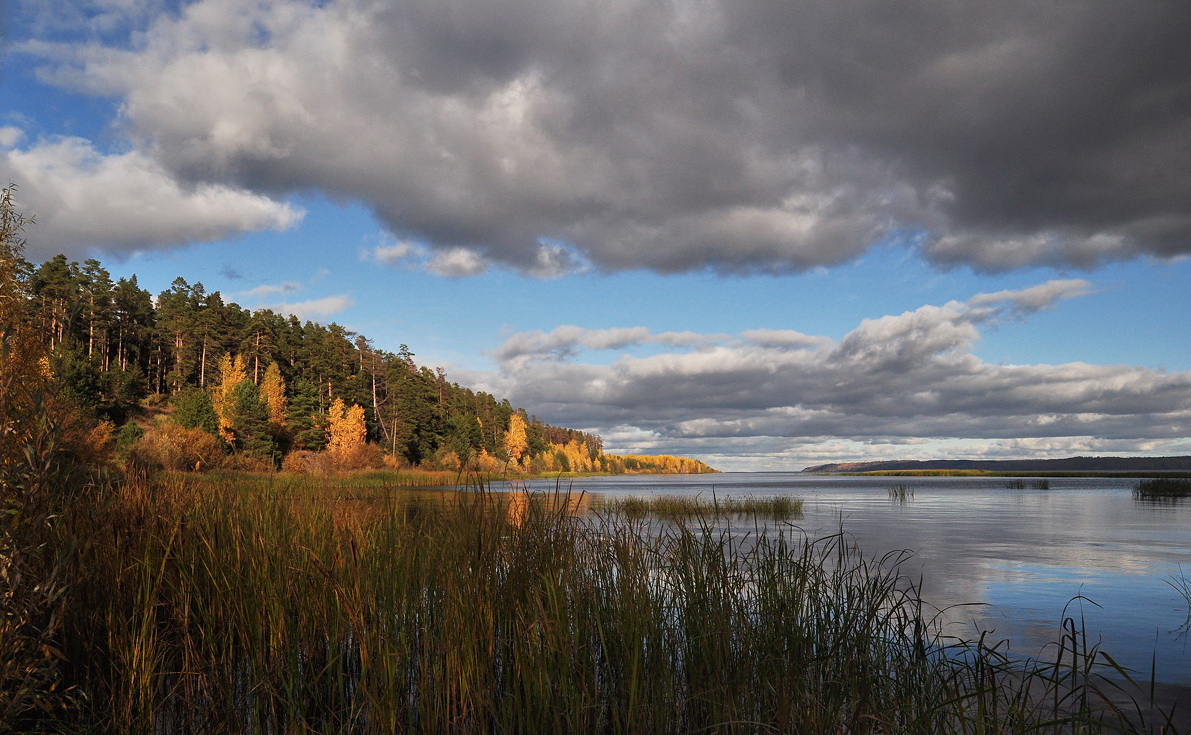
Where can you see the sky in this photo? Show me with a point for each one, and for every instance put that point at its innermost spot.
(764, 234)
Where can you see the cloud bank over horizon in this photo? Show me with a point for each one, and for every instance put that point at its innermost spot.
(887, 388)
(555, 136)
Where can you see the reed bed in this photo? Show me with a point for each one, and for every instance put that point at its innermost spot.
(211, 609)
(1163, 487)
(686, 509)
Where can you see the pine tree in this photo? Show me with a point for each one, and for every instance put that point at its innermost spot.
(193, 410)
(249, 423)
(307, 427)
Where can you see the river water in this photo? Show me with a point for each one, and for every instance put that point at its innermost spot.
(1016, 559)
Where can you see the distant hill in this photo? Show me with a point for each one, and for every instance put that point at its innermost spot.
(1070, 464)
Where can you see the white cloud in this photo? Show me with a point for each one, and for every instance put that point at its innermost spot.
(566, 341)
(84, 199)
(552, 261)
(315, 308)
(457, 263)
(10, 136)
(267, 290)
(395, 253)
(555, 261)
(882, 390)
(1035, 298)
(784, 338)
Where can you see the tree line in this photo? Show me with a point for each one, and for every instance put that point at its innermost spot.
(219, 380)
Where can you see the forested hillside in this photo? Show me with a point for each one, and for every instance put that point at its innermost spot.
(188, 379)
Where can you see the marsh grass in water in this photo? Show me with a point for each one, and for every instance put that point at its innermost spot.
(901, 493)
(214, 608)
(1163, 487)
(682, 509)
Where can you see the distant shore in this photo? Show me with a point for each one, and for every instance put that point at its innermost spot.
(1067, 467)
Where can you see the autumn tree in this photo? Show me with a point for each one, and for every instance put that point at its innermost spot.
(273, 391)
(232, 373)
(515, 441)
(347, 431)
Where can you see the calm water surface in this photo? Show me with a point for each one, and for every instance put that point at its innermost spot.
(1022, 555)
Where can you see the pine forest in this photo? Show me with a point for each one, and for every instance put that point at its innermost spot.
(184, 380)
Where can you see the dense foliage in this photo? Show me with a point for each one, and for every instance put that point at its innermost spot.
(115, 346)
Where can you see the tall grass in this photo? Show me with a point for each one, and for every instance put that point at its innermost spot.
(207, 609)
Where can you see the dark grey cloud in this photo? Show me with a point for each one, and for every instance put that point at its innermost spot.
(760, 136)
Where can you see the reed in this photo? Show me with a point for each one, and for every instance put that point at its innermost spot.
(901, 493)
(1163, 487)
(206, 607)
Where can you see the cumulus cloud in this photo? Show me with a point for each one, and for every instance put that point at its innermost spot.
(83, 199)
(741, 137)
(886, 386)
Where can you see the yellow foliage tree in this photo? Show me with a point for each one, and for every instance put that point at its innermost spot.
(273, 391)
(515, 441)
(572, 457)
(347, 432)
(231, 373)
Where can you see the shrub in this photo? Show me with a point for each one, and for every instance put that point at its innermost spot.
(304, 460)
(357, 457)
(166, 445)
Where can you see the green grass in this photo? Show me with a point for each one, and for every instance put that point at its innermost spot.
(207, 607)
(1163, 487)
(678, 508)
